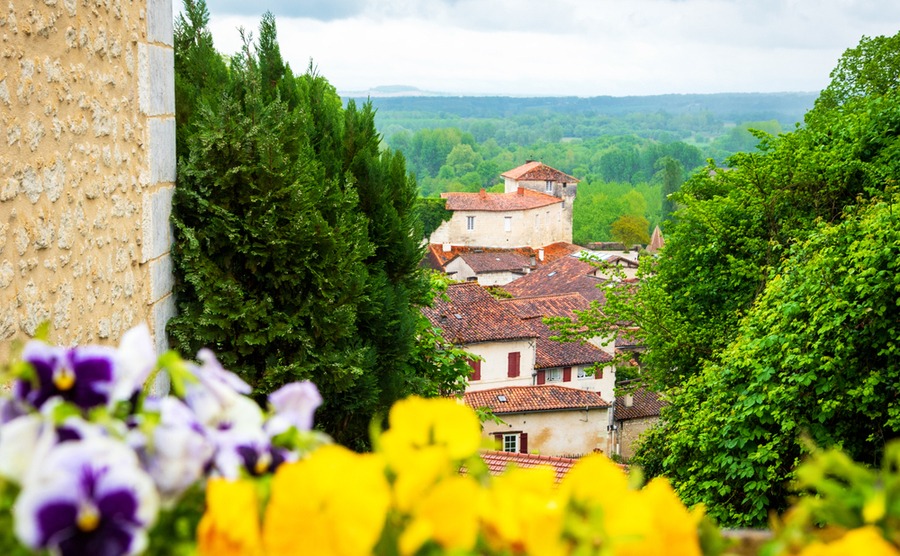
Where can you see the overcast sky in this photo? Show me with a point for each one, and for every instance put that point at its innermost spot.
(564, 47)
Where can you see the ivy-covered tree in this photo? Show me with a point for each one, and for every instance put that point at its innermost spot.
(771, 312)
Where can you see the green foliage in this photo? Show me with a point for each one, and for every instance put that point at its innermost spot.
(298, 242)
(631, 230)
(432, 213)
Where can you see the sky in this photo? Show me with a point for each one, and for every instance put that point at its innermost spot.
(563, 47)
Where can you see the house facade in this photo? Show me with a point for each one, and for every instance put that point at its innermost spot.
(549, 420)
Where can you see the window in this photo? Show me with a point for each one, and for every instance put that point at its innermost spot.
(549, 186)
(470, 223)
(554, 375)
(581, 373)
(507, 223)
(476, 369)
(510, 442)
(513, 365)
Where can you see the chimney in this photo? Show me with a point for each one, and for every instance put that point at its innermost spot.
(541, 254)
(446, 247)
(483, 193)
(520, 190)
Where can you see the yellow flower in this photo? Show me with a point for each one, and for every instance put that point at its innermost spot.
(524, 512)
(448, 514)
(420, 470)
(659, 524)
(416, 423)
(230, 525)
(865, 540)
(332, 503)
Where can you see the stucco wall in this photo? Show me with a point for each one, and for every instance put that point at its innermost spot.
(87, 168)
(495, 365)
(529, 228)
(605, 386)
(628, 433)
(558, 433)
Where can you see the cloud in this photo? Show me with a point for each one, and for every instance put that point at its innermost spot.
(323, 10)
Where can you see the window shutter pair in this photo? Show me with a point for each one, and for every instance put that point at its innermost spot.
(513, 367)
(567, 374)
(476, 369)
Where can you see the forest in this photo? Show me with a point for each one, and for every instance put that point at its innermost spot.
(629, 152)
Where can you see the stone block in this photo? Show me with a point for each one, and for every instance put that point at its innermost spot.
(162, 150)
(159, 21)
(163, 310)
(162, 278)
(156, 79)
(156, 229)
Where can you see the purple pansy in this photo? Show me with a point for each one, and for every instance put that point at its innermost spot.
(81, 375)
(294, 405)
(87, 497)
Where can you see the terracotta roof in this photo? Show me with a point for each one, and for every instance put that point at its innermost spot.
(497, 462)
(538, 171)
(523, 199)
(565, 275)
(550, 354)
(470, 314)
(436, 257)
(524, 399)
(558, 305)
(496, 261)
(645, 404)
(656, 241)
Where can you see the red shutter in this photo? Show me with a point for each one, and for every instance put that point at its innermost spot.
(541, 377)
(513, 369)
(523, 442)
(476, 369)
(567, 374)
(598, 374)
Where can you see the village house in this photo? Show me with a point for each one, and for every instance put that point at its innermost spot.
(634, 413)
(549, 420)
(491, 266)
(534, 210)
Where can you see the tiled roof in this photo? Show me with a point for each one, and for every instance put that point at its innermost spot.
(470, 314)
(557, 305)
(565, 275)
(436, 257)
(657, 241)
(523, 399)
(550, 354)
(523, 199)
(538, 171)
(497, 462)
(495, 262)
(645, 404)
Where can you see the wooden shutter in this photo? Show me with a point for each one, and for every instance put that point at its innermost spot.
(598, 374)
(541, 377)
(523, 442)
(476, 369)
(513, 368)
(567, 374)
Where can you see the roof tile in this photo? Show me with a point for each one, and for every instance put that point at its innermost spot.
(470, 314)
(645, 404)
(522, 399)
(564, 275)
(538, 171)
(497, 462)
(523, 199)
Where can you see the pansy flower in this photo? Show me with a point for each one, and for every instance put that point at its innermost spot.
(294, 405)
(87, 497)
(81, 375)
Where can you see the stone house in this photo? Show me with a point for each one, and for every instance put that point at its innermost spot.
(633, 414)
(490, 266)
(550, 420)
(535, 209)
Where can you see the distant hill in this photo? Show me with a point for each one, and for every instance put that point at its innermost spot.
(787, 108)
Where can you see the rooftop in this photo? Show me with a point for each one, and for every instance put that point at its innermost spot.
(534, 170)
(437, 256)
(644, 404)
(468, 314)
(497, 462)
(523, 199)
(523, 399)
(565, 275)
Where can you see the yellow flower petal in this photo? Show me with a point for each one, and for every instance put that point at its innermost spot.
(230, 525)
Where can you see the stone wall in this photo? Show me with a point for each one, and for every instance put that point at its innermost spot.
(630, 431)
(87, 168)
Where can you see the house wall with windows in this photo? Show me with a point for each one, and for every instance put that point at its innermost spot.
(87, 170)
(583, 378)
(555, 433)
(495, 366)
(534, 228)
